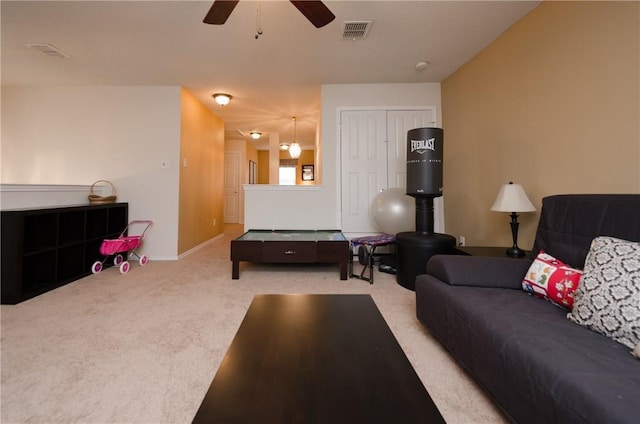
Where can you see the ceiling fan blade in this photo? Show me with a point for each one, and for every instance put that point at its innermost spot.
(220, 11)
(317, 13)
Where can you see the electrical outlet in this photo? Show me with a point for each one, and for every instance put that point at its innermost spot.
(462, 241)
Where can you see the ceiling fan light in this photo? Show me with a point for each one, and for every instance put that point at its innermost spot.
(222, 99)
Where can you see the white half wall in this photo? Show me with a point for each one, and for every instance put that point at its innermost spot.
(78, 135)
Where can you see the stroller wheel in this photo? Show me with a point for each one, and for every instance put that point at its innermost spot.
(143, 260)
(124, 267)
(96, 267)
(117, 260)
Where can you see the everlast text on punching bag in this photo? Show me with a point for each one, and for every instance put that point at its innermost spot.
(424, 162)
(424, 182)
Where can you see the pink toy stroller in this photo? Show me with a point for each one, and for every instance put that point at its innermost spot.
(123, 244)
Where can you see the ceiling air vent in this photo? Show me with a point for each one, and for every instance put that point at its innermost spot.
(49, 50)
(355, 30)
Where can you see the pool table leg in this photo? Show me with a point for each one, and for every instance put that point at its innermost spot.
(235, 270)
(343, 269)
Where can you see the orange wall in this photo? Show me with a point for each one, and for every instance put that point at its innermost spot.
(201, 181)
(263, 167)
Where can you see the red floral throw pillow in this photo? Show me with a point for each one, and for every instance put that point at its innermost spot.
(551, 279)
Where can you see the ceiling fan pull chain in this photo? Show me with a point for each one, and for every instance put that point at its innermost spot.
(259, 21)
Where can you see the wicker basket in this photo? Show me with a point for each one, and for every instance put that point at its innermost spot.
(96, 199)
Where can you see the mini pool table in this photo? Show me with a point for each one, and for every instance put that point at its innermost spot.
(290, 246)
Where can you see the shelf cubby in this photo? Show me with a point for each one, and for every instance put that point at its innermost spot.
(71, 227)
(40, 232)
(97, 221)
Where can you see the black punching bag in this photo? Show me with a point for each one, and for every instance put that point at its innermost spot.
(424, 182)
(424, 162)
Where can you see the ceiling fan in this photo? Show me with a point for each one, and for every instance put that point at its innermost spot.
(315, 11)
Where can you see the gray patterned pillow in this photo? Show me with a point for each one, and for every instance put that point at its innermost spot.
(608, 298)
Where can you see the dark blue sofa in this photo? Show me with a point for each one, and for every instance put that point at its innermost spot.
(537, 365)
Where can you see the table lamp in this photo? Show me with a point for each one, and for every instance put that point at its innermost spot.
(512, 198)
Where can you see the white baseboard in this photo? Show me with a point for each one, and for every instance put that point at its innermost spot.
(200, 246)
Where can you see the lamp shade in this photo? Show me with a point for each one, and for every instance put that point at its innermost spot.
(512, 198)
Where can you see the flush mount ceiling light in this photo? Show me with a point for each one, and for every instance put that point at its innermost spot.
(255, 135)
(284, 146)
(295, 149)
(222, 99)
(421, 66)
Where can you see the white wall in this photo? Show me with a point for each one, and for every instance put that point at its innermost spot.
(320, 205)
(77, 135)
(276, 207)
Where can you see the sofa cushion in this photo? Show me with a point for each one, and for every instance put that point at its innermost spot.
(550, 278)
(608, 299)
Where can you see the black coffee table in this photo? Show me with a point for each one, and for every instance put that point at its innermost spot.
(316, 359)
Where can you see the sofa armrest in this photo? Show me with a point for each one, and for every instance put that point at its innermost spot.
(479, 271)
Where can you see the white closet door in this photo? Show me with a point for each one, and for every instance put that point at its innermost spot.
(363, 155)
(373, 158)
(398, 123)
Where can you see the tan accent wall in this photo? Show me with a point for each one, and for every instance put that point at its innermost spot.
(201, 181)
(553, 104)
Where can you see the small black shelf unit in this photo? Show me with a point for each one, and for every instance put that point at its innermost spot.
(45, 248)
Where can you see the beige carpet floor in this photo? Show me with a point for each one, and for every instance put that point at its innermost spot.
(144, 347)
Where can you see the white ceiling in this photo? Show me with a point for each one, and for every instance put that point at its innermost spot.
(271, 78)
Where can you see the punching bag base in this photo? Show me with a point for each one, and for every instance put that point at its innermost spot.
(414, 249)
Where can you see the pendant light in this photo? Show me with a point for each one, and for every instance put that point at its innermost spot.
(294, 148)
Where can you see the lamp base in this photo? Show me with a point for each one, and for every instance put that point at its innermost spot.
(516, 252)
